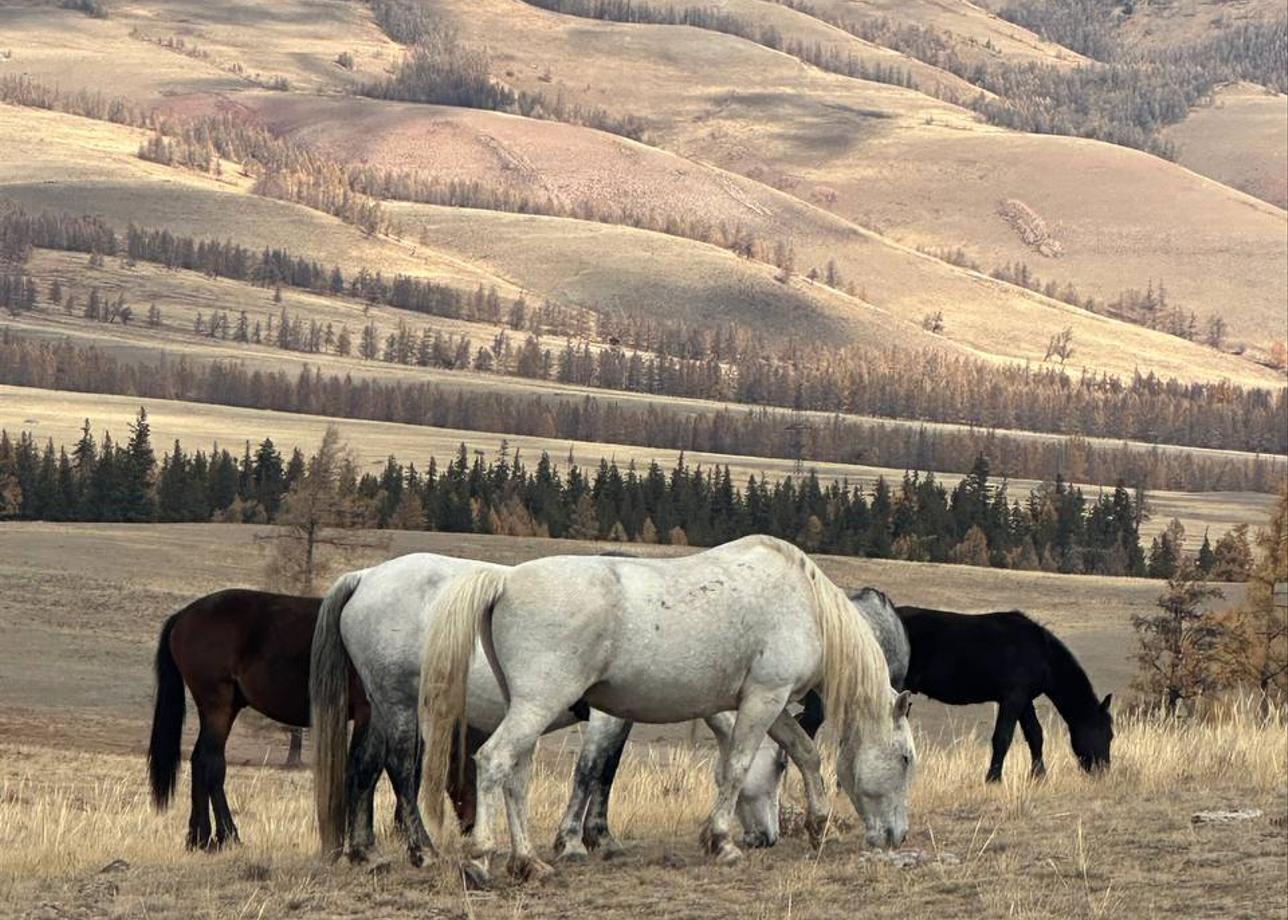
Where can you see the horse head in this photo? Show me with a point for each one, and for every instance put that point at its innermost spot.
(876, 774)
(1092, 735)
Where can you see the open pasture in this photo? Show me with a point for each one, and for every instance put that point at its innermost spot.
(73, 800)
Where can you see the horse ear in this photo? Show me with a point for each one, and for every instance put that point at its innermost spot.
(902, 705)
(1104, 704)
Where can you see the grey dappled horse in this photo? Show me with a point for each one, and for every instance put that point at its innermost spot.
(748, 626)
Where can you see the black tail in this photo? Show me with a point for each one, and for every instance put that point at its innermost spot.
(167, 722)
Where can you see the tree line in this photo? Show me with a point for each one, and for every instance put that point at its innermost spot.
(714, 19)
(1055, 528)
(749, 432)
(724, 362)
(439, 69)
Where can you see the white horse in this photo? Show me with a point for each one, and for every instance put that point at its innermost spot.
(748, 626)
(377, 619)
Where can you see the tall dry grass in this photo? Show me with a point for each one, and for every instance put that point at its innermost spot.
(65, 812)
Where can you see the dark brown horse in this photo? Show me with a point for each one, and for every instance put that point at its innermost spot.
(233, 649)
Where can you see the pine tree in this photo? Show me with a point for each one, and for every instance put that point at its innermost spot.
(138, 504)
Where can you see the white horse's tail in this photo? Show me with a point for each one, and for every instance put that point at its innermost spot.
(329, 701)
(462, 612)
(856, 678)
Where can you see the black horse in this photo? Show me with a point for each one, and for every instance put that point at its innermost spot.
(1006, 658)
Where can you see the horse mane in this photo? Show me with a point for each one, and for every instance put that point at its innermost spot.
(1073, 688)
(856, 678)
(864, 592)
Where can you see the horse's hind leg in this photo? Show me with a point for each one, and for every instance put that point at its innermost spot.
(199, 817)
(503, 765)
(225, 827)
(1008, 711)
(592, 778)
(217, 712)
(596, 834)
(1032, 728)
(403, 756)
(366, 755)
(756, 713)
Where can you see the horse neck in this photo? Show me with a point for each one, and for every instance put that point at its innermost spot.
(1070, 690)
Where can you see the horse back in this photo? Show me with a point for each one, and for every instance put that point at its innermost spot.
(961, 658)
(256, 641)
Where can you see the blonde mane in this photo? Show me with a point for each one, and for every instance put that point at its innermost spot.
(856, 677)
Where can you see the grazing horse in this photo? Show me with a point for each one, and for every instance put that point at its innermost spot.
(233, 649)
(1008, 659)
(748, 626)
(375, 621)
(758, 802)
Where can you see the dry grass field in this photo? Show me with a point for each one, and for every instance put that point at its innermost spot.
(59, 415)
(1240, 139)
(78, 837)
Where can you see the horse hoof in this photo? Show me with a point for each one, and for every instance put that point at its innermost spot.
(474, 876)
(357, 857)
(728, 853)
(758, 841)
(816, 828)
(571, 855)
(529, 869)
(416, 858)
(611, 848)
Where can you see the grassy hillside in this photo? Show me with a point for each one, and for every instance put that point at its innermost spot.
(1240, 139)
(923, 173)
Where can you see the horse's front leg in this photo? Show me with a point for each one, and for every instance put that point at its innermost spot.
(1008, 711)
(1032, 728)
(757, 807)
(756, 713)
(800, 747)
(591, 783)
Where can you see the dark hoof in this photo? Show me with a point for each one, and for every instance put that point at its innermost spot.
(993, 778)
(474, 876)
(357, 856)
(758, 841)
(416, 857)
(383, 867)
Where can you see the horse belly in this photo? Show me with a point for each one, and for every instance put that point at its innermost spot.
(662, 684)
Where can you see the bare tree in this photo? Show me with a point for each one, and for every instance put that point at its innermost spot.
(317, 529)
(1060, 346)
(320, 521)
